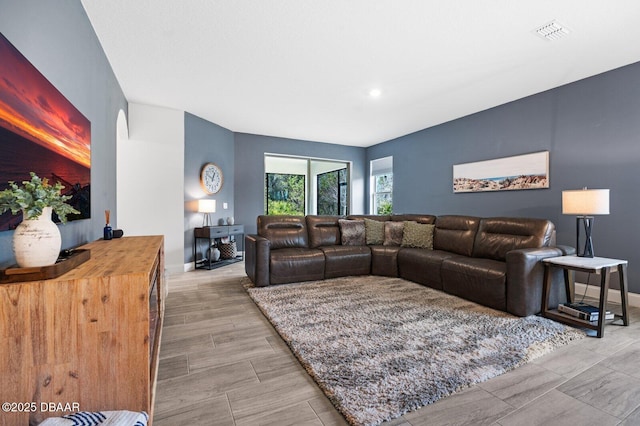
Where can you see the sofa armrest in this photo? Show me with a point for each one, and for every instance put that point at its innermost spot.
(256, 259)
(525, 278)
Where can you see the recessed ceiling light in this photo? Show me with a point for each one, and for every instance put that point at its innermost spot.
(375, 93)
(552, 31)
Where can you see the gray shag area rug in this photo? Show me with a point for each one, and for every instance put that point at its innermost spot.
(380, 347)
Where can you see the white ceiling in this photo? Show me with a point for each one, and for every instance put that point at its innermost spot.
(303, 69)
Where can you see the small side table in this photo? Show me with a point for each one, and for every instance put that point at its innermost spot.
(211, 234)
(598, 265)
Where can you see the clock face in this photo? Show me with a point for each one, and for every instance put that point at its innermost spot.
(211, 178)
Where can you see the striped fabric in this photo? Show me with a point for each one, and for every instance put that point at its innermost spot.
(99, 418)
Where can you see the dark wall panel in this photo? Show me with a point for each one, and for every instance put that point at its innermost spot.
(591, 129)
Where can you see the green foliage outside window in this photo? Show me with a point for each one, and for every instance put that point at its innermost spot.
(332, 193)
(384, 194)
(385, 207)
(285, 194)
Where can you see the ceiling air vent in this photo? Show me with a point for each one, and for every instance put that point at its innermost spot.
(552, 31)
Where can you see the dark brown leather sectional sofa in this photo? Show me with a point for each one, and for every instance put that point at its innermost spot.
(491, 261)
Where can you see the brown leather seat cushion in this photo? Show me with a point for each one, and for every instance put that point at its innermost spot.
(422, 266)
(343, 261)
(479, 280)
(296, 264)
(384, 260)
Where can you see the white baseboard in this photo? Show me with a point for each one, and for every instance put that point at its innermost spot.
(614, 295)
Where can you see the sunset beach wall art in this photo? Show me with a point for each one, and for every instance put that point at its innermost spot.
(528, 171)
(41, 132)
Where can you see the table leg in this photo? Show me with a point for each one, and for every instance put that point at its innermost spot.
(605, 274)
(546, 288)
(569, 284)
(624, 292)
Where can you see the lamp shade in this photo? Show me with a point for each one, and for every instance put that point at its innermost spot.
(583, 202)
(206, 206)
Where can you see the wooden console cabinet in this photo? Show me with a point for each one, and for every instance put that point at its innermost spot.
(89, 338)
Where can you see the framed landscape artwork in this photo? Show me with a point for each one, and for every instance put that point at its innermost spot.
(528, 171)
(41, 132)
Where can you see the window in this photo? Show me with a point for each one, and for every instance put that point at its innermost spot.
(382, 185)
(332, 192)
(299, 186)
(285, 194)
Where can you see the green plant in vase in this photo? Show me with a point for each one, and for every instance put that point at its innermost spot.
(36, 241)
(34, 196)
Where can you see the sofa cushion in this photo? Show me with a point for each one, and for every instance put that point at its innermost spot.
(374, 231)
(479, 280)
(323, 231)
(352, 232)
(420, 218)
(422, 266)
(284, 231)
(290, 265)
(498, 235)
(455, 234)
(342, 261)
(378, 217)
(393, 233)
(384, 260)
(418, 235)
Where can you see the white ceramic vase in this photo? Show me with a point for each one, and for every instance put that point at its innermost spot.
(37, 242)
(230, 220)
(214, 254)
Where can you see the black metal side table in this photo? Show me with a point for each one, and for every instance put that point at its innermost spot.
(214, 234)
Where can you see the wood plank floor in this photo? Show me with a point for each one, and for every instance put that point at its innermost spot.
(222, 363)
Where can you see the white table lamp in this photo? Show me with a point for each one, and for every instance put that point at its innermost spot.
(585, 203)
(207, 207)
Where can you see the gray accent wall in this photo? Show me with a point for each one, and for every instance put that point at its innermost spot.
(206, 142)
(58, 39)
(591, 129)
(250, 150)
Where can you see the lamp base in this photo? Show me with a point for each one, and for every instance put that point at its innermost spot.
(206, 220)
(587, 224)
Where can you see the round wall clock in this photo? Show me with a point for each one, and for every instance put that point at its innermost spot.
(211, 178)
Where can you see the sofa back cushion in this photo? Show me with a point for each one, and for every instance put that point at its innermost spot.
(380, 217)
(455, 234)
(420, 218)
(323, 231)
(499, 235)
(284, 231)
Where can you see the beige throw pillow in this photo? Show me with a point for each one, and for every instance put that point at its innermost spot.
(418, 235)
(374, 231)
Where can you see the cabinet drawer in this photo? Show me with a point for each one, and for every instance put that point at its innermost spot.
(212, 232)
(236, 229)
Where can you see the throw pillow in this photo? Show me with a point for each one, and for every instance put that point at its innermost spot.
(418, 235)
(393, 233)
(374, 231)
(352, 232)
